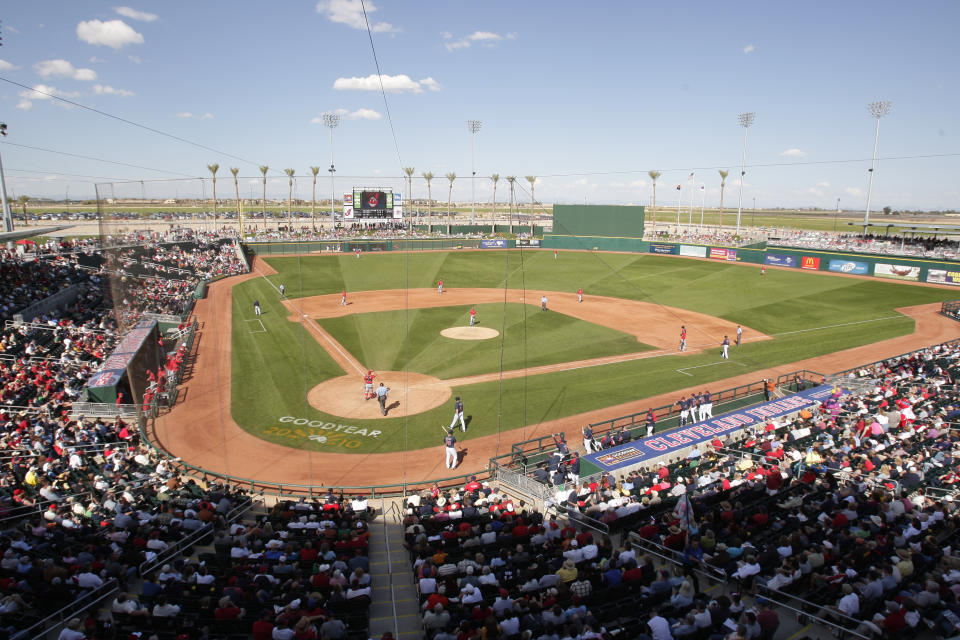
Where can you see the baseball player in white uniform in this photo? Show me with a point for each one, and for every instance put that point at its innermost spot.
(450, 445)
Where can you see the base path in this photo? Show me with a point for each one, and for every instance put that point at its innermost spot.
(650, 323)
(201, 430)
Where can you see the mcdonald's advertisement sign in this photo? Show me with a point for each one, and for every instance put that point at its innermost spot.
(810, 262)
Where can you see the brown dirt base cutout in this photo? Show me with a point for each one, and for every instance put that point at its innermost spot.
(410, 393)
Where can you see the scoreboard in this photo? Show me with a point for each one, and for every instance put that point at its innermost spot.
(372, 204)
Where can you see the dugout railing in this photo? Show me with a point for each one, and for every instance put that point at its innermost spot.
(531, 452)
(951, 309)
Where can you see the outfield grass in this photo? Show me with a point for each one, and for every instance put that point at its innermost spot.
(389, 340)
(808, 314)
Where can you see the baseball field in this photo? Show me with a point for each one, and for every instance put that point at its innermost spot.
(296, 370)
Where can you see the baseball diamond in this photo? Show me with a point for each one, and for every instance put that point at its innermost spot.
(613, 354)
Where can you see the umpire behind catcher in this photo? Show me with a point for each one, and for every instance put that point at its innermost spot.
(382, 392)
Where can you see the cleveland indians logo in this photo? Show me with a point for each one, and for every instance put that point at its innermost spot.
(373, 201)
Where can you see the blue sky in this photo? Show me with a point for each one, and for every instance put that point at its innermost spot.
(588, 97)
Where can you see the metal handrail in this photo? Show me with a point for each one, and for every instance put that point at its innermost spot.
(830, 623)
(40, 629)
(175, 549)
(669, 555)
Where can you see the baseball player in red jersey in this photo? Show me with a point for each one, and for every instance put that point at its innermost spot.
(368, 385)
(763, 270)
(473, 316)
(343, 298)
(683, 338)
(439, 286)
(580, 294)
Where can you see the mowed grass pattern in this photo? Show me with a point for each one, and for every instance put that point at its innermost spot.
(391, 340)
(807, 313)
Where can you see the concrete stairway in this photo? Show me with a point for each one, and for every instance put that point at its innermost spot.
(394, 604)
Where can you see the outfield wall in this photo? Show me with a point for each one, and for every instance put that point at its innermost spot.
(372, 245)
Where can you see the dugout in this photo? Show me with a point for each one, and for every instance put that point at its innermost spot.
(125, 369)
(596, 227)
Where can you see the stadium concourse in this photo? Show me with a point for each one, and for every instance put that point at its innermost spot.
(105, 537)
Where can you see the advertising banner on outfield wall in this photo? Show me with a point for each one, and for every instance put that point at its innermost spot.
(496, 243)
(666, 249)
(718, 253)
(528, 242)
(896, 271)
(939, 276)
(809, 262)
(693, 251)
(778, 260)
(849, 266)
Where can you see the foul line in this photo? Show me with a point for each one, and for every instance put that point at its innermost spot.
(842, 324)
(263, 329)
(312, 325)
(685, 369)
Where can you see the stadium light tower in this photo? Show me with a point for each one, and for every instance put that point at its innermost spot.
(331, 120)
(7, 216)
(745, 119)
(473, 126)
(877, 110)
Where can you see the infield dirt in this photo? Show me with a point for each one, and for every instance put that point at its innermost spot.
(201, 430)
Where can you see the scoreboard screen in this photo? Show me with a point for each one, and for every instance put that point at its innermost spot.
(372, 204)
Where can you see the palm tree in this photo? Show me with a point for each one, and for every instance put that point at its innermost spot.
(313, 199)
(451, 177)
(428, 176)
(495, 177)
(289, 173)
(723, 183)
(409, 171)
(653, 208)
(213, 169)
(236, 188)
(263, 203)
(22, 201)
(531, 180)
(511, 180)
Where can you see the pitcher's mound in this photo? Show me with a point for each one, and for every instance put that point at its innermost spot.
(470, 333)
(410, 393)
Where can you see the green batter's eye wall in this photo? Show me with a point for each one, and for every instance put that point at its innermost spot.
(598, 221)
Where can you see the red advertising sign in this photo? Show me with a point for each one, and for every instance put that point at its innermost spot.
(810, 262)
(718, 254)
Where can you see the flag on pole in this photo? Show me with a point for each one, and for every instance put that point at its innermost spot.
(690, 177)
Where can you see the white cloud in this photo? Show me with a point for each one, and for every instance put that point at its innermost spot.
(816, 192)
(359, 114)
(41, 92)
(115, 34)
(105, 89)
(11, 29)
(350, 13)
(134, 59)
(364, 114)
(853, 192)
(823, 185)
(63, 68)
(393, 84)
(749, 48)
(133, 14)
(483, 38)
(186, 115)
(793, 153)
(96, 60)
(6, 66)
